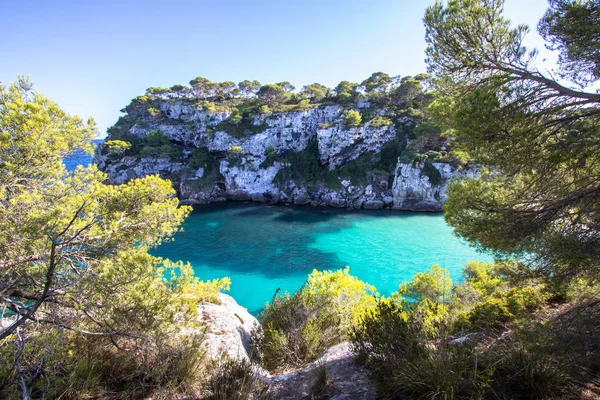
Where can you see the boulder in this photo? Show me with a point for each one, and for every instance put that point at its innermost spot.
(228, 328)
(346, 379)
(302, 197)
(373, 205)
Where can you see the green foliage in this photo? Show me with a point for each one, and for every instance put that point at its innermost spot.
(116, 146)
(235, 117)
(272, 94)
(405, 95)
(573, 28)
(97, 312)
(303, 165)
(352, 118)
(298, 328)
(434, 175)
(345, 92)
(249, 88)
(264, 109)
(315, 92)
(235, 149)
(165, 150)
(538, 135)
(380, 121)
(434, 285)
(241, 127)
(409, 359)
(153, 111)
(201, 158)
(236, 380)
(393, 345)
(377, 82)
(157, 138)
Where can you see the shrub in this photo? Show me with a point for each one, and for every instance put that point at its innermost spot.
(201, 158)
(525, 373)
(157, 138)
(484, 278)
(153, 111)
(393, 345)
(116, 146)
(490, 312)
(429, 296)
(264, 109)
(380, 121)
(236, 380)
(352, 118)
(235, 116)
(324, 125)
(434, 175)
(165, 150)
(235, 149)
(297, 329)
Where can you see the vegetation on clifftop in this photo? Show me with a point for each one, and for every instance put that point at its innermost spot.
(379, 101)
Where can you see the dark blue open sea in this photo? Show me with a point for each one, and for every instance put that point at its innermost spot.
(79, 157)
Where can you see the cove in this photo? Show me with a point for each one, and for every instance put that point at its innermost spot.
(264, 248)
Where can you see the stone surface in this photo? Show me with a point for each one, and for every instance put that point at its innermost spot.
(247, 177)
(228, 328)
(346, 379)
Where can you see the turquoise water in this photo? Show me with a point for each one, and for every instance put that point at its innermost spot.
(263, 248)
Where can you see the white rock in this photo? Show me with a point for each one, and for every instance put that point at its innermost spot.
(229, 327)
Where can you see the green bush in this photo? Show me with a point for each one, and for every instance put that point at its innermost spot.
(236, 380)
(165, 150)
(393, 345)
(264, 109)
(116, 146)
(434, 175)
(352, 118)
(235, 116)
(156, 139)
(380, 121)
(153, 111)
(201, 158)
(297, 329)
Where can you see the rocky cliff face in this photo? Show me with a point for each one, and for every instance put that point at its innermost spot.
(300, 157)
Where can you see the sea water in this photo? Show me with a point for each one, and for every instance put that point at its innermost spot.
(264, 248)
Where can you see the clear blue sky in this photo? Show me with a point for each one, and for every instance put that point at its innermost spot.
(92, 57)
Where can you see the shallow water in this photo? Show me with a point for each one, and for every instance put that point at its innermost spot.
(264, 248)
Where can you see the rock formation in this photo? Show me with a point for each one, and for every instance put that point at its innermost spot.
(299, 157)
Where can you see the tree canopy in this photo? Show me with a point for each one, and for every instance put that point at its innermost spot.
(73, 253)
(539, 136)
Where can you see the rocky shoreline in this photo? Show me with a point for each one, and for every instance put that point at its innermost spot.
(306, 157)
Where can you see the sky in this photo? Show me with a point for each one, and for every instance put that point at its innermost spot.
(93, 57)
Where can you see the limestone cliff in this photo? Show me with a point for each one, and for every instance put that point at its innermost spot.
(307, 155)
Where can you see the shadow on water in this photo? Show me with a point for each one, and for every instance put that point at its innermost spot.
(248, 238)
(262, 248)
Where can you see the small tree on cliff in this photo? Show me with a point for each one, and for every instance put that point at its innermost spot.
(352, 118)
(272, 94)
(541, 136)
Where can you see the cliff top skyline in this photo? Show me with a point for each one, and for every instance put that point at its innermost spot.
(121, 48)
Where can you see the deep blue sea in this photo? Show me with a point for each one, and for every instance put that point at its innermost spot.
(264, 248)
(79, 157)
